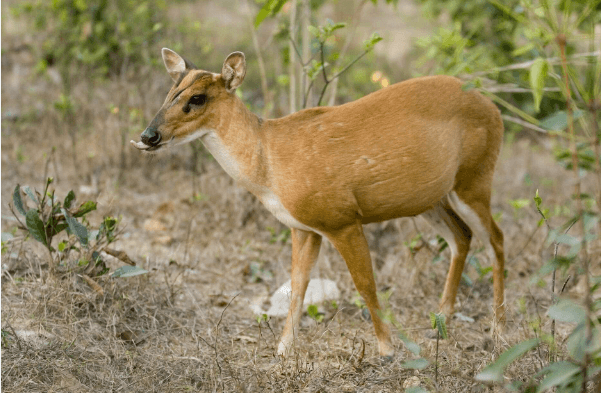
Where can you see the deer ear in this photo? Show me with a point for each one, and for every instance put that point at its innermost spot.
(175, 64)
(233, 71)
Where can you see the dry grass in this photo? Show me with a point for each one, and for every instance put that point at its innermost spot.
(187, 325)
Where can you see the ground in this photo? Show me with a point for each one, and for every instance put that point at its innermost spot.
(211, 250)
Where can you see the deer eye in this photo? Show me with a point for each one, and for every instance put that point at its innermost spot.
(198, 100)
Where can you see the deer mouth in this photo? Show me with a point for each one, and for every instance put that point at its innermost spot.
(144, 147)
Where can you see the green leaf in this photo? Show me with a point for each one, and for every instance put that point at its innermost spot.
(441, 325)
(523, 49)
(128, 271)
(314, 31)
(415, 364)
(263, 13)
(467, 86)
(59, 228)
(558, 121)
(270, 8)
(17, 201)
(85, 208)
(30, 194)
(313, 312)
(519, 203)
(337, 26)
(538, 75)
(538, 200)
(576, 343)
(557, 374)
(371, 41)
(69, 199)
(36, 226)
(467, 280)
(433, 320)
(590, 221)
(77, 228)
(494, 372)
(570, 240)
(517, 16)
(61, 246)
(566, 310)
(411, 345)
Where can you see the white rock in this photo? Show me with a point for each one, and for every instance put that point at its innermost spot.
(318, 291)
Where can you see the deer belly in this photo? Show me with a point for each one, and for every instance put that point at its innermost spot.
(274, 205)
(385, 200)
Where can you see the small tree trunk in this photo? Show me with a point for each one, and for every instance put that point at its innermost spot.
(262, 73)
(306, 21)
(292, 67)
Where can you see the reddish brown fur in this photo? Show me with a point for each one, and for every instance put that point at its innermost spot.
(397, 152)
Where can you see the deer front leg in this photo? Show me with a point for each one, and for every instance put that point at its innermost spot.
(352, 245)
(305, 249)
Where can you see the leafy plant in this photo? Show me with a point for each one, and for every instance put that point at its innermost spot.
(314, 67)
(547, 72)
(438, 322)
(313, 312)
(51, 216)
(102, 36)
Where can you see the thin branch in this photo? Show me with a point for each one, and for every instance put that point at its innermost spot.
(306, 95)
(323, 70)
(350, 64)
(510, 88)
(323, 63)
(217, 332)
(300, 57)
(528, 64)
(524, 123)
(525, 245)
(338, 74)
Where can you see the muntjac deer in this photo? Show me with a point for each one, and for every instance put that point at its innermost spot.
(422, 146)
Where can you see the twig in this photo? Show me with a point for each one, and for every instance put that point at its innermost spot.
(556, 245)
(16, 336)
(564, 284)
(338, 74)
(306, 95)
(540, 321)
(524, 123)
(525, 245)
(436, 361)
(121, 255)
(528, 64)
(217, 332)
(300, 57)
(93, 284)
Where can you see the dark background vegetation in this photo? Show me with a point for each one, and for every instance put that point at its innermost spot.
(80, 78)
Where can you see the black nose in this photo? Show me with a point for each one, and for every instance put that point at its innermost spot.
(151, 137)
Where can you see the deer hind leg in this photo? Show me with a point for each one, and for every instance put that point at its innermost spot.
(473, 206)
(458, 236)
(352, 245)
(305, 249)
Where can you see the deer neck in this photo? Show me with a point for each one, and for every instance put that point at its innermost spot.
(238, 146)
